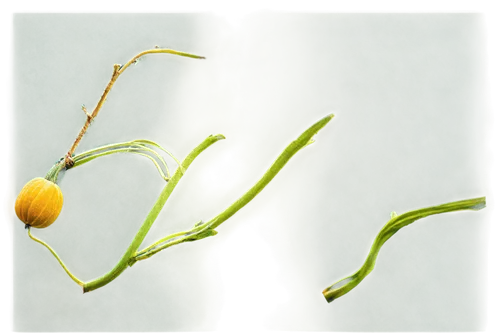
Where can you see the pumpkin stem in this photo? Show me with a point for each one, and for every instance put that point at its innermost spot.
(54, 171)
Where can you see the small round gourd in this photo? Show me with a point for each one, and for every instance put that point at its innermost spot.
(39, 203)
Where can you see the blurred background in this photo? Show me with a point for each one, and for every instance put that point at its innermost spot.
(407, 92)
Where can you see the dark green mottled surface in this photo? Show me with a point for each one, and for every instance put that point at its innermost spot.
(408, 91)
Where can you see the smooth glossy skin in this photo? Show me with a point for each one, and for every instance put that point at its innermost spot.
(39, 203)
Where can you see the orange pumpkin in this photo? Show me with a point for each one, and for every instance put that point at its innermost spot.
(39, 203)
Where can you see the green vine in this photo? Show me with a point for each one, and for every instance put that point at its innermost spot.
(200, 230)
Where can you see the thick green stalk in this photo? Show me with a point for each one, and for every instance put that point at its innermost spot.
(345, 285)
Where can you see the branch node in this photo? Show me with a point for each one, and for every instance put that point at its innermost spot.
(89, 116)
(68, 161)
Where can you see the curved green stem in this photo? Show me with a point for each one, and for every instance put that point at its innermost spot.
(135, 150)
(345, 285)
(139, 147)
(207, 229)
(95, 151)
(152, 143)
(135, 146)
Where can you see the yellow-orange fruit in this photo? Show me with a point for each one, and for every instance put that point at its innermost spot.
(39, 203)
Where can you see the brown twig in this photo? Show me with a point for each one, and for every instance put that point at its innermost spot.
(117, 70)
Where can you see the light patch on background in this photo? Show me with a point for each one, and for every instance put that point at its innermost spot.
(251, 89)
(2, 197)
(8, 199)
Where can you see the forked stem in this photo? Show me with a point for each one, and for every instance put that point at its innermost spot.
(206, 229)
(141, 234)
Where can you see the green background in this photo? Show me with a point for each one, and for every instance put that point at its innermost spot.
(411, 130)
